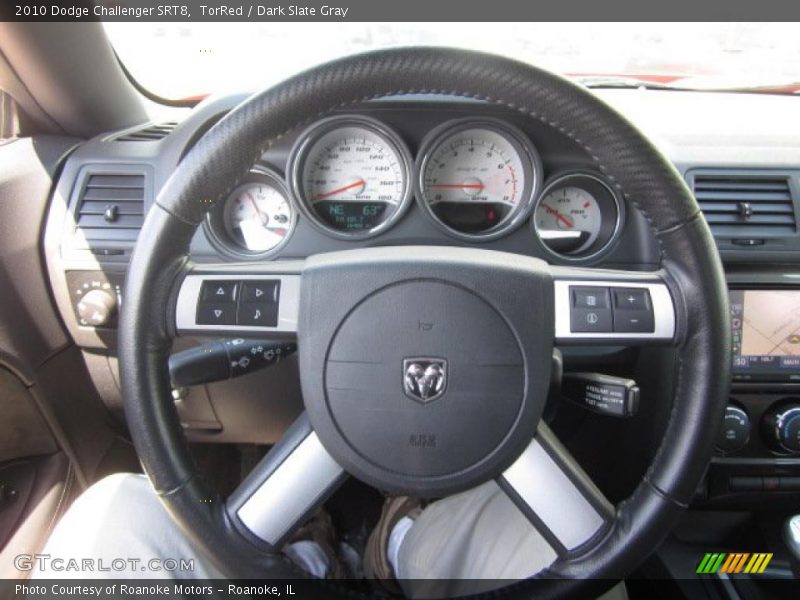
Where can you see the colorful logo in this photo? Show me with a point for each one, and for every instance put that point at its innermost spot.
(735, 562)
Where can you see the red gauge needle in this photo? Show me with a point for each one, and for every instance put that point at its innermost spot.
(461, 186)
(349, 186)
(561, 217)
(261, 215)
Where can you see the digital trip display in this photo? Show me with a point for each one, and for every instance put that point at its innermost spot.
(766, 333)
(351, 216)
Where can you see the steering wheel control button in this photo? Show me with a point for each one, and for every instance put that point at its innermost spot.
(735, 431)
(631, 299)
(586, 320)
(603, 394)
(585, 297)
(218, 292)
(258, 306)
(261, 303)
(590, 310)
(625, 310)
(258, 314)
(630, 322)
(212, 313)
(633, 311)
(261, 291)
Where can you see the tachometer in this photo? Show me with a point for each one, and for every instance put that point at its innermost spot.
(477, 178)
(351, 176)
(256, 219)
(578, 215)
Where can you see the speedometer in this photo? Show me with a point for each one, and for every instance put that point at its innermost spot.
(351, 176)
(477, 179)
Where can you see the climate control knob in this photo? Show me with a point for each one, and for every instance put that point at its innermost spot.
(735, 430)
(97, 307)
(782, 426)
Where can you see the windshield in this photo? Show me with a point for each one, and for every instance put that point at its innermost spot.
(182, 60)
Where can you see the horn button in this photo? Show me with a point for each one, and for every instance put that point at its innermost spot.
(432, 382)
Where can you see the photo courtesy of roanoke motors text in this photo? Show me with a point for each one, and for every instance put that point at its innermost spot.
(374, 299)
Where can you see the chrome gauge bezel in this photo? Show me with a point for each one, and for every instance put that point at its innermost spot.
(214, 225)
(532, 166)
(611, 203)
(305, 144)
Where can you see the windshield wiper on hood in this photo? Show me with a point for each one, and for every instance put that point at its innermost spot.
(690, 84)
(623, 82)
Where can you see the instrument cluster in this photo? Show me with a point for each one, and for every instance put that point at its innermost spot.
(476, 179)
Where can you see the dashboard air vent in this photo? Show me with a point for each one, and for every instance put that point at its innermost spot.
(151, 133)
(111, 207)
(746, 204)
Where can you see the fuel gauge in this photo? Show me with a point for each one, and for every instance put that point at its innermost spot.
(578, 215)
(570, 217)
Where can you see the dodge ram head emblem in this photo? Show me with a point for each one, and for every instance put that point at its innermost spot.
(424, 379)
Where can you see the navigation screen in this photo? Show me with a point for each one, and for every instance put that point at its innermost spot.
(766, 330)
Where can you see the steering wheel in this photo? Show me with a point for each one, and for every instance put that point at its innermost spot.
(491, 323)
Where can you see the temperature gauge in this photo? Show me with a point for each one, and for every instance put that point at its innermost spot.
(256, 219)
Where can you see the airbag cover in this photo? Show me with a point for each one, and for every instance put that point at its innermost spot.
(478, 364)
(425, 370)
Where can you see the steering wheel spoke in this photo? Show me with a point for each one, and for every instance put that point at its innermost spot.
(285, 488)
(602, 307)
(399, 348)
(239, 301)
(556, 495)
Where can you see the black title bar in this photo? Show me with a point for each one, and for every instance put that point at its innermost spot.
(398, 10)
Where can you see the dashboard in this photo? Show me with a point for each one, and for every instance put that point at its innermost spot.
(424, 170)
(353, 177)
(391, 172)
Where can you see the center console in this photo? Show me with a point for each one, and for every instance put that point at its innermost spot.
(758, 448)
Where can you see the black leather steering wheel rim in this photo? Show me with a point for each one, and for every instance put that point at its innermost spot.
(223, 156)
